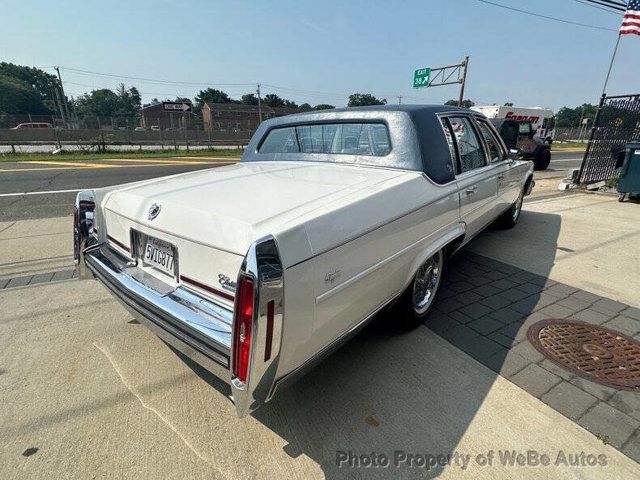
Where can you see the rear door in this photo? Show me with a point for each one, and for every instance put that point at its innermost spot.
(507, 180)
(477, 187)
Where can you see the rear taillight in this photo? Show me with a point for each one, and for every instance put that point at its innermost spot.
(83, 216)
(243, 322)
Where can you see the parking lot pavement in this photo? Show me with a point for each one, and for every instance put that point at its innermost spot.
(87, 392)
(98, 395)
(486, 308)
(586, 240)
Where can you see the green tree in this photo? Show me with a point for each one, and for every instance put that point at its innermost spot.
(465, 103)
(571, 117)
(100, 103)
(324, 106)
(124, 102)
(17, 97)
(273, 100)
(210, 95)
(305, 107)
(129, 101)
(363, 99)
(508, 104)
(249, 99)
(42, 83)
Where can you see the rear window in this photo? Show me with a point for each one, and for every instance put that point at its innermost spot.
(525, 128)
(337, 138)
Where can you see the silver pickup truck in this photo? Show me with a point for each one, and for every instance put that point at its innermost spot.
(260, 269)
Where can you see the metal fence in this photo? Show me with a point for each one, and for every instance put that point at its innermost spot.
(77, 122)
(617, 122)
(571, 134)
(93, 140)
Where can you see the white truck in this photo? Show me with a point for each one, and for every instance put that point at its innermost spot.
(540, 118)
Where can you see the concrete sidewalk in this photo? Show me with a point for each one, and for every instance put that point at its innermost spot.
(99, 396)
(34, 247)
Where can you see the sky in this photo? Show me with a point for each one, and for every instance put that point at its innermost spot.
(322, 51)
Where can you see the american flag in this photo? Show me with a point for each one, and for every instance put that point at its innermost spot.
(631, 21)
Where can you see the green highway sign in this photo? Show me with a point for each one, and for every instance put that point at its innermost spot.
(421, 77)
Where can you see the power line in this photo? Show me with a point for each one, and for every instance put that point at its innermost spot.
(533, 14)
(102, 86)
(150, 80)
(333, 95)
(196, 84)
(612, 10)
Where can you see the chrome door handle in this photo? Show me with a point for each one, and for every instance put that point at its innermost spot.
(500, 177)
(472, 190)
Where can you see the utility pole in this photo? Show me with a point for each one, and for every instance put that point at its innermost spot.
(465, 64)
(56, 92)
(259, 104)
(399, 99)
(64, 98)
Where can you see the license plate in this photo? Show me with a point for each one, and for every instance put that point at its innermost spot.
(159, 255)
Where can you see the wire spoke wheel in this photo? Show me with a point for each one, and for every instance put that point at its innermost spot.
(426, 282)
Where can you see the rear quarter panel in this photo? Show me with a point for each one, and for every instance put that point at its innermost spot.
(377, 245)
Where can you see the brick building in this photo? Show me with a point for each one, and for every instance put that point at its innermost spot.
(156, 116)
(231, 117)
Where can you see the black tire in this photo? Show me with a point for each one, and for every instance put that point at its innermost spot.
(413, 306)
(543, 159)
(510, 218)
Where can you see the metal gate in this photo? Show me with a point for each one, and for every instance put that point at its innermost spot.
(617, 122)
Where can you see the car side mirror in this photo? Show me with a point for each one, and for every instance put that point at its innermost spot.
(515, 154)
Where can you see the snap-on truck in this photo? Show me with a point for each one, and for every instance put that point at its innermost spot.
(540, 118)
(533, 131)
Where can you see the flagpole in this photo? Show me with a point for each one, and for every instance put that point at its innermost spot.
(613, 57)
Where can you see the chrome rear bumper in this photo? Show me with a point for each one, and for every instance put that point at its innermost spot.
(193, 325)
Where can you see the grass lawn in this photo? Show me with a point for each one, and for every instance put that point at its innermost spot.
(25, 157)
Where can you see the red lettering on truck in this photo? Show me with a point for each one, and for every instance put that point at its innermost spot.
(522, 118)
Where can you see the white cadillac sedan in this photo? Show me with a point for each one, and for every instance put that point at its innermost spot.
(258, 270)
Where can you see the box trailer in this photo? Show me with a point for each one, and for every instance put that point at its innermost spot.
(540, 118)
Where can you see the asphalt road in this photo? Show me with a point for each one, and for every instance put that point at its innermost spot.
(20, 182)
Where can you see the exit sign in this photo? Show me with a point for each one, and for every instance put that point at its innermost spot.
(421, 77)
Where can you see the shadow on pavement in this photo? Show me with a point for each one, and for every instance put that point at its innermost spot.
(385, 391)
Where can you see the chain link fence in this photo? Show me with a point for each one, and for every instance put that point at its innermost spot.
(90, 140)
(571, 134)
(46, 133)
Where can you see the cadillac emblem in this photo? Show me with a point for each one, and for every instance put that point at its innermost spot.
(154, 211)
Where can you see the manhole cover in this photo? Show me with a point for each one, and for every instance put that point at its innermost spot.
(595, 353)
